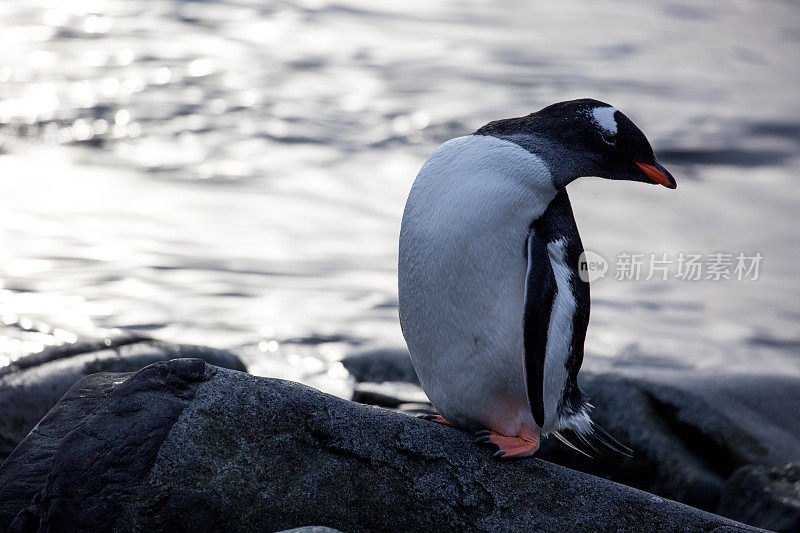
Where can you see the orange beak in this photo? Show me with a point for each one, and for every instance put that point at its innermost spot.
(656, 175)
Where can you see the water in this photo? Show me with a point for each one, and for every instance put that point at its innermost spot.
(233, 174)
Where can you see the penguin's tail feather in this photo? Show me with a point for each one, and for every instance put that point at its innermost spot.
(563, 438)
(605, 442)
(593, 443)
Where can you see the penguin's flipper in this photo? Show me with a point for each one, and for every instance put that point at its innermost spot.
(540, 292)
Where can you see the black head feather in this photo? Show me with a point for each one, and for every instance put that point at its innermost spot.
(574, 143)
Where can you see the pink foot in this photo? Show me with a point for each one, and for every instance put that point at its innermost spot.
(510, 447)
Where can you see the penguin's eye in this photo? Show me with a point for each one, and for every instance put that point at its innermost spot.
(608, 138)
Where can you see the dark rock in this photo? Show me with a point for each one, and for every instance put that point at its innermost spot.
(32, 385)
(388, 394)
(311, 529)
(689, 433)
(20, 480)
(182, 445)
(51, 353)
(765, 497)
(416, 409)
(381, 365)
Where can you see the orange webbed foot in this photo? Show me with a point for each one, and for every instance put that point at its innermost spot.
(509, 447)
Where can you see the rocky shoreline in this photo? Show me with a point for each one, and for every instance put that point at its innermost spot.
(185, 444)
(31, 385)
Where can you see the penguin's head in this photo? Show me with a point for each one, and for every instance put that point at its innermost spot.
(585, 137)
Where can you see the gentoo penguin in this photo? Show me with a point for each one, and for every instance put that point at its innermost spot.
(491, 303)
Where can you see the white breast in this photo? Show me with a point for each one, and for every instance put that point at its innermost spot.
(462, 276)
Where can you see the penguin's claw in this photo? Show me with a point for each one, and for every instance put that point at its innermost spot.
(439, 419)
(509, 447)
(524, 450)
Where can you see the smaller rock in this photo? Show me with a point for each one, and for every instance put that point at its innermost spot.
(311, 529)
(689, 432)
(416, 409)
(765, 497)
(63, 351)
(388, 394)
(381, 365)
(32, 385)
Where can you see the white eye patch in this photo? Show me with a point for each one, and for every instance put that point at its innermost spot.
(604, 117)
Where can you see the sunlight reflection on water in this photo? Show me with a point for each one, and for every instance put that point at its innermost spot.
(233, 173)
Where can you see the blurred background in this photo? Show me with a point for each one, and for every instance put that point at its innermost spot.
(233, 173)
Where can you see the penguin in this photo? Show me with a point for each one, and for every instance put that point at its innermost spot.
(491, 303)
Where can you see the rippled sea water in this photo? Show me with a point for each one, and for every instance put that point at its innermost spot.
(233, 173)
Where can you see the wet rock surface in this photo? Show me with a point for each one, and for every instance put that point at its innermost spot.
(765, 497)
(185, 445)
(33, 384)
